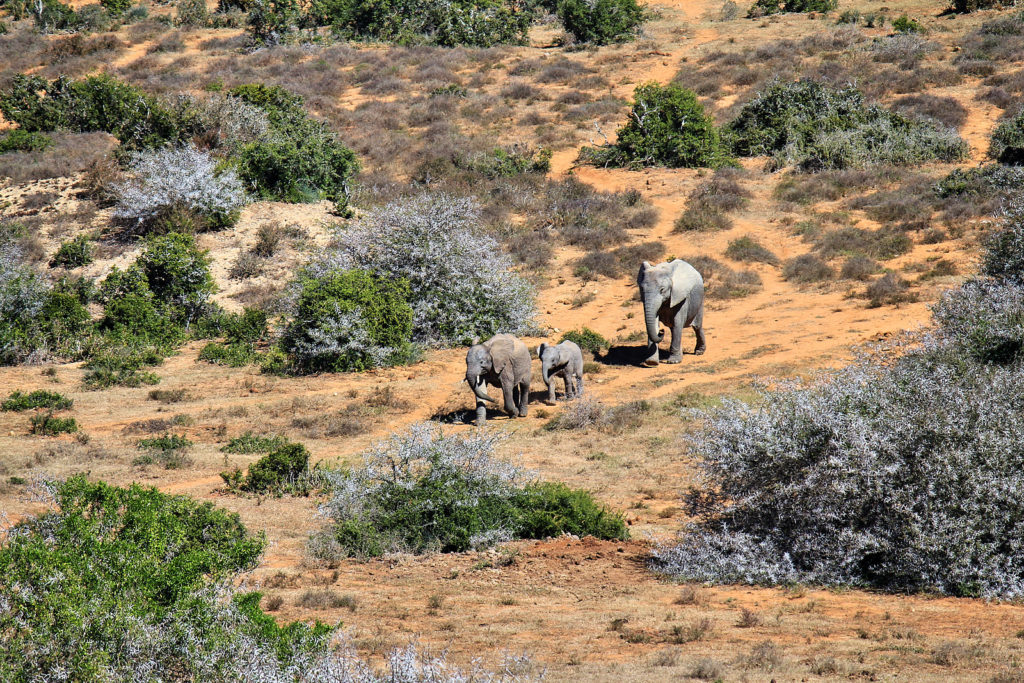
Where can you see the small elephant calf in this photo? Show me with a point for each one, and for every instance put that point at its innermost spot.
(566, 361)
(501, 361)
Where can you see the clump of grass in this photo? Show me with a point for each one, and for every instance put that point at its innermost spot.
(168, 450)
(253, 443)
(324, 598)
(747, 249)
(807, 268)
(859, 268)
(889, 289)
(18, 401)
(748, 618)
(168, 395)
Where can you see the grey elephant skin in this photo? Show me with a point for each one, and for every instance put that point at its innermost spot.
(563, 360)
(501, 361)
(673, 294)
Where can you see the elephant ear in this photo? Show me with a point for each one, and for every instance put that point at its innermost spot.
(682, 283)
(540, 350)
(501, 353)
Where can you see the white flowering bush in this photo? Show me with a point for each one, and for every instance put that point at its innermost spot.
(462, 283)
(425, 491)
(22, 297)
(897, 473)
(184, 178)
(221, 121)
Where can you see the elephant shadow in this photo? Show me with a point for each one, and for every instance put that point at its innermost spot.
(467, 416)
(631, 355)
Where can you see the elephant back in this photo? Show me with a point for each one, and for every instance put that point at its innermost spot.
(505, 348)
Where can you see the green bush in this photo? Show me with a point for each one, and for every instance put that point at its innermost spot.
(587, 339)
(242, 332)
(167, 442)
(231, 355)
(112, 581)
(349, 320)
(116, 7)
(20, 140)
(46, 424)
(178, 274)
(904, 24)
(301, 160)
(191, 13)
(121, 363)
(482, 23)
(601, 21)
(667, 127)
(40, 398)
(279, 470)
(424, 492)
(73, 253)
(817, 127)
(761, 7)
(1007, 146)
(53, 15)
(983, 181)
(96, 103)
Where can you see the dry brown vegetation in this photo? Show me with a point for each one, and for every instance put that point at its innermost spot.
(852, 256)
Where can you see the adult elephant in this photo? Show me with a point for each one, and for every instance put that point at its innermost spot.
(672, 293)
(501, 361)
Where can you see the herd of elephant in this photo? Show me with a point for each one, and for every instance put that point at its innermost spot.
(672, 294)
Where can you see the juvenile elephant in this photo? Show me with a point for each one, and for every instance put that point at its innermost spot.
(566, 361)
(672, 293)
(501, 361)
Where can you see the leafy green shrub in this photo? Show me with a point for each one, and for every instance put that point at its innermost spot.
(252, 443)
(424, 492)
(279, 470)
(478, 24)
(762, 7)
(1004, 249)
(178, 274)
(349, 320)
(53, 15)
(508, 162)
(983, 181)
(48, 425)
(904, 24)
(40, 398)
(231, 355)
(95, 103)
(73, 253)
(121, 363)
(114, 579)
(601, 21)
(817, 127)
(20, 140)
(1007, 146)
(667, 127)
(191, 14)
(301, 160)
(167, 442)
(116, 7)
(587, 339)
(432, 241)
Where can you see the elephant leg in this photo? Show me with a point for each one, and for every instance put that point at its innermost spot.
(698, 329)
(481, 413)
(579, 384)
(569, 389)
(524, 397)
(510, 401)
(551, 391)
(675, 350)
(653, 356)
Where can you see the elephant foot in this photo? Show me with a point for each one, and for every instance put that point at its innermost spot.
(674, 358)
(699, 351)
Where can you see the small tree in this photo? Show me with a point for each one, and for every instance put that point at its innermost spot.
(349, 320)
(667, 127)
(462, 284)
(178, 274)
(601, 21)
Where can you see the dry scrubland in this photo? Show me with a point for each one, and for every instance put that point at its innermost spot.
(583, 609)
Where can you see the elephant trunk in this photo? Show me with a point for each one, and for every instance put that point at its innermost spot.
(654, 335)
(477, 383)
(545, 372)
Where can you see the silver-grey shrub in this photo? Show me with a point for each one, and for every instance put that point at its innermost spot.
(462, 282)
(221, 121)
(178, 178)
(902, 473)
